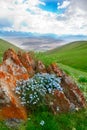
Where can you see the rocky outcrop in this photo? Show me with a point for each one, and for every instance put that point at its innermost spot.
(71, 98)
(53, 68)
(12, 65)
(22, 66)
(27, 62)
(72, 92)
(10, 106)
(11, 70)
(40, 67)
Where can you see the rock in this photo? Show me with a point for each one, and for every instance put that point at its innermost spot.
(13, 123)
(40, 67)
(11, 70)
(61, 102)
(58, 102)
(53, 68)
(27, 62)
(72, 92)
(9, 102)
(13, 65)
(71, 97)
(10, 53)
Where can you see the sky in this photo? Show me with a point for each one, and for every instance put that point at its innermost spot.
(59, 17)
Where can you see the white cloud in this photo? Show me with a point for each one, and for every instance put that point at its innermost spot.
(64, 4)
(73, 21)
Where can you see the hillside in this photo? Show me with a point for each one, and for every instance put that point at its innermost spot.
(42, 119)
(4, 45)
(73, 54)
(41, 116)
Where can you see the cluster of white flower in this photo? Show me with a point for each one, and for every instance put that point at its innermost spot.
(33, 90)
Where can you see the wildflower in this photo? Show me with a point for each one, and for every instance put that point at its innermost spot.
(33, 91)
(57, 108)
(42, 123)
(77, 108)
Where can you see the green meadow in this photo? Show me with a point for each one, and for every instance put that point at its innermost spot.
(72, 59)
(4, 45)
(73, 55)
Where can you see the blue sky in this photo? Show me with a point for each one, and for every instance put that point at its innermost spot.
(50, 6)
(59, 17)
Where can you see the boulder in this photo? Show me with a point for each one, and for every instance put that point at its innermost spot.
(72, 92)
(71, 97)
(10, 106)
(27, 62)
(11, 70)
(53, 68)
(13, 65)
(58, 102)
(40, 67)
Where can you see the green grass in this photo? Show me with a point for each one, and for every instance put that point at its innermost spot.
(4, 45)
(69, 121)
(73, 55)
(72, 59)
(3, 126)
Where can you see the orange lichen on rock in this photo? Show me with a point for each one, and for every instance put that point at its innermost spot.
(61, 101)
(72, 92)
(10, 104)
(13, 65)
(53, 68)
(13, 111)
(10, 53)
(27, 62)
(41, 67)
(11, 70)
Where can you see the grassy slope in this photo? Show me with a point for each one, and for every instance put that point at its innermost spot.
(68, 121)
(4, 45)
(74, 55)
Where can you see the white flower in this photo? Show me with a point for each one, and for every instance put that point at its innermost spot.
(77, 108)
(42, 123)
(57, 108)
(49, 90)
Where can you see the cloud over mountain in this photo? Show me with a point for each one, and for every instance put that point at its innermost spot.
(29, 16)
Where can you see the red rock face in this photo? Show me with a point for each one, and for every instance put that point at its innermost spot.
(53, 68)
(72, 92)
(71, 98)
(61, 102)
(40, 67)
(13, 65)
(27, 62)
(58, 102)
(10, 104)
(11, 70)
